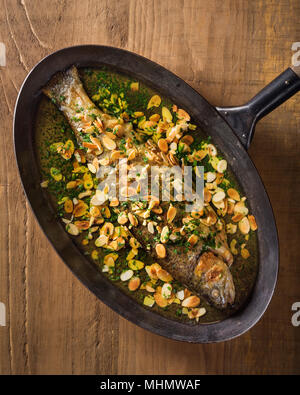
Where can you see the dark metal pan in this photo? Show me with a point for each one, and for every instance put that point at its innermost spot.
(231, 129)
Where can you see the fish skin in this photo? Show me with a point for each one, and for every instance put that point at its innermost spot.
(203, 272)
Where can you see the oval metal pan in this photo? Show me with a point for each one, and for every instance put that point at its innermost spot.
(212, 123)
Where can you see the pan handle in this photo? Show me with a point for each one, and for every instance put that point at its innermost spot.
(242, 119)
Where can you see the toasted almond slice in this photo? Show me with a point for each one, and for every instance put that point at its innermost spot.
(92, 168)
(244, 225)
(101, 241)
(237, 217)
(134, 283)
(72, 229)
(122, 218)
(219, 196)
(183, 115)
(222, 166)
(68, 206)
(245, 253)
(166, 290)
(115, 155)
(233, 194)
(96, 141)
(252, 222)
(193, 239)
(155, 117)
(164, 237)
(114, 202)
(207, 195)
(108, 143)
(131, 154)
(125, 276)
(107, 229)
(240, 208)
(163, 275)
(167, 116)
(133, 220)
(233, 247)
(187, 139)
(210, 176)
(196, 313)
(171, 214)
(104, 161)
(89, 145)
(159, 299)
(191, 301)
(163, 145)
(212, 150)
(154, 102)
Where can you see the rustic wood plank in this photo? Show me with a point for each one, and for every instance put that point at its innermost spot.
(227, 50)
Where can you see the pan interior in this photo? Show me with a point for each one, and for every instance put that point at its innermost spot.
(51, 127)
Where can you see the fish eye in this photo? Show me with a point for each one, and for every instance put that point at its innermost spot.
(215, 293)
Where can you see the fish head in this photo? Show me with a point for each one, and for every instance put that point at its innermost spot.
(215, 280)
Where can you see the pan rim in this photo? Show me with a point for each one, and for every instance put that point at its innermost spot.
(215, 337)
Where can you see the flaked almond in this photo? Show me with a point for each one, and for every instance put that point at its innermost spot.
(164, 237)
(101, 241)
(193, 239)
(191, 301)
(166, 290)
(218, 197)
(134, 283)
(108, 143)
(167, 116)
(92, 168)
(197, 313)
(122, 218)
(244, 225)
(132, 219)
(183, 115)
(233, 248)
(107, 229)
(154, 102)
(115, 155)
(237, 217)
(159, 299)
(163, 275)
(252, 222)
(187, 139)
(125, 276)
(131, 154)
(240, 208)
(72, 229)
(171, 214)
(207, 195)
(245, 253)
(114, 202)
(212, 150)
(97, 142)
(222, 166)
(210, 176)
(233, 194)
(163, 145)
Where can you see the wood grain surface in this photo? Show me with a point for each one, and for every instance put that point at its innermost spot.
(227, 50)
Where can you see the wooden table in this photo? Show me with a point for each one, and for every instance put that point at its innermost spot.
(227, 50)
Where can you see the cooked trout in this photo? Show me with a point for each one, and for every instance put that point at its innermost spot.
(196, 254)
